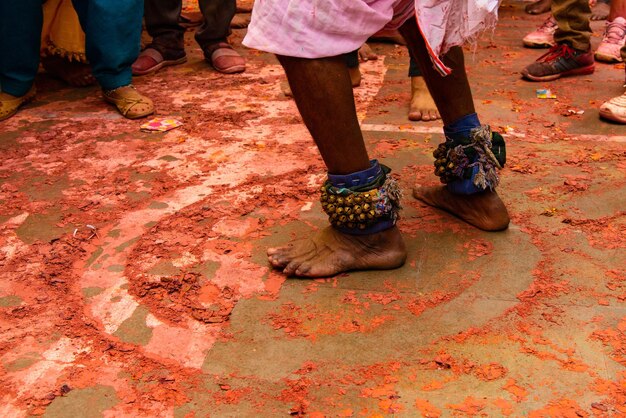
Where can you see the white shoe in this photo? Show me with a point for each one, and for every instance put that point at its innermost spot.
(614, 109)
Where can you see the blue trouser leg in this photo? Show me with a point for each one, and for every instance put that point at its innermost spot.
(112, 38)
(20, 38)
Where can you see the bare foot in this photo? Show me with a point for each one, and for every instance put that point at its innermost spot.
(539, 7)
(600, 11)
(330, 252)
(366, 53)
(484, 210)
(422, 105)
(74, 73)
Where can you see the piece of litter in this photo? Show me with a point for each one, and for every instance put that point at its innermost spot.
(545, 94)
(161, 125)
(574, 112)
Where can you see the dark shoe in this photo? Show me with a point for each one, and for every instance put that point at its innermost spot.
(151, 60)
(224, 58)
(560, 61)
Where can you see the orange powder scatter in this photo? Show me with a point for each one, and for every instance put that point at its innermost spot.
(490, 371)
(505, 406)
(564, 408)
(427, 409)
(470, 406)
(519, 392)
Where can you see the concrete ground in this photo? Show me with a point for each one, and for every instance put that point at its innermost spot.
(134, 280)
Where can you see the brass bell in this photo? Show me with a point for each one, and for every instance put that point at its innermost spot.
(347, 210)
(450, 165)
(358, 199)
(340, 200)
(362, 226)
(343, 218)
(350, 225)
(332, 198)
(324, 197)
(351, 217)
(362, 216)
(350, 199)
(366, 206)
(357, 209)
(330, 208)
(339, 210)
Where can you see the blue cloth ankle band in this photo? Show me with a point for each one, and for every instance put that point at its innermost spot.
(360, 178)
(461, 128)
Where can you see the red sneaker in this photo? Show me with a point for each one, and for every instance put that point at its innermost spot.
(560, 61)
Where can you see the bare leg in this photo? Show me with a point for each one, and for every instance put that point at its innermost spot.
(323, 93)
(453, 97)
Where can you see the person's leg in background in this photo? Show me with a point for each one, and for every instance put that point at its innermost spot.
(614, 37)
(615, 108)
(571, 54)
(466, 194)
(167, 46)
(213, 33)
(20, 38)
(422, 106)
(112, 41)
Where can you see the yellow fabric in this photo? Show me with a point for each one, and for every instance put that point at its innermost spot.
(62, 34)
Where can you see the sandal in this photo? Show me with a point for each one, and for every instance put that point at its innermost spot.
(130, 103)
(224, 58)
(9, 104)
(151, 60)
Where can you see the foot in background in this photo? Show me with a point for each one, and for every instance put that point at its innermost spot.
(151, 60)
(422, 107)
(9, 105)
(543, 37)
(74, 73)
(129, 102)
(560, 61)
(224, 58)
(614, 109)
(612, 41)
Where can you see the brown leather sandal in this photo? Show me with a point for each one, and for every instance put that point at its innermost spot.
(9, 104)
(130, 103)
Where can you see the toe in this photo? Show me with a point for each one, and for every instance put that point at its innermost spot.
(415, 115)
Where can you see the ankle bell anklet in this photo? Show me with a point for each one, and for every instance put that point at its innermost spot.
(477, 158)
(363, 208)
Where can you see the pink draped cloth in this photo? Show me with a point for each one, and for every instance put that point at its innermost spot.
(324, 28)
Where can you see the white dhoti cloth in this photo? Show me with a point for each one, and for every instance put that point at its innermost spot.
(325, 28)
